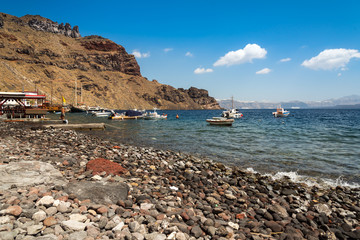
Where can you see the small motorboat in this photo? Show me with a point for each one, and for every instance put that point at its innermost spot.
(130, 114)
(280, 112)
(220, 121)
(154, 116)
(116, 116)
(102, 114)
(232, 113)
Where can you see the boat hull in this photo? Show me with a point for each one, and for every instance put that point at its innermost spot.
(101, 114)
(285, 114)
(223, 122)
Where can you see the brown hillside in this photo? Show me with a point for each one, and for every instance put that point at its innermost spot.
(37, 53)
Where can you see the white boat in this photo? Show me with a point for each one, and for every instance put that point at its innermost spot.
(154, 115)
(280, 112)
(101, 114)
(220, 121)
(232, 113)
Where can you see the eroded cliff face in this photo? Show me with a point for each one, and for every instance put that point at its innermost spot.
(37, 53)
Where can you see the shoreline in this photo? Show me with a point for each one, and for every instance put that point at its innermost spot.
(169, 196)
(318, 181)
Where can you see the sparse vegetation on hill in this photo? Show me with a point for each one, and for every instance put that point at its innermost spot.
(37, 53)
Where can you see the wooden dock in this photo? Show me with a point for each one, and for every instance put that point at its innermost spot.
(81, 126)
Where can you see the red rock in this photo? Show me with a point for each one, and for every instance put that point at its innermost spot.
(100, 165)
(160, 217)
(185, 216)
(144, 212)
(65, 163)
(240, 216)
(224, 216)
(63, 198)
(116, 147)
(83, 208)
(102, 210)
(50, 221)
(33, 190)
(14, 210)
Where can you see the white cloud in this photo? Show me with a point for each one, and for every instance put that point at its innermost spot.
(168, 49)
(138, 54)
(264, 71)
(247, 54)
(331, 59)
(189, 54)
(203, 70)
(285, 60)
(339, 74)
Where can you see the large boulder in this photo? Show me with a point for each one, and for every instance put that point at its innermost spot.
(25, 173)
(98, 192)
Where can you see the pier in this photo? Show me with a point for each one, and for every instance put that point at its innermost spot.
(82, 126)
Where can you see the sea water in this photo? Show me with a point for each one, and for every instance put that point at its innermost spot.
(314, 145)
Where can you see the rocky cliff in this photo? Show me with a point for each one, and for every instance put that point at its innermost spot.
(37, 53)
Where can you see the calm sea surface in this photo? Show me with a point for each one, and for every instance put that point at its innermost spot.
(318, 145)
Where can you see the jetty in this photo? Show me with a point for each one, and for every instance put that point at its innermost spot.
(81, 126)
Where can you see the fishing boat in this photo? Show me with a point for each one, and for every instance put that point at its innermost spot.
(232, 113)
(154, 115)
(280, 112)
(220, 121)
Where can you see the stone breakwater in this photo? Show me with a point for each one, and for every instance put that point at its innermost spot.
(53, 188)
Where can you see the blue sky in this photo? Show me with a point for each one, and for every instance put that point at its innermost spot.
(252, 50)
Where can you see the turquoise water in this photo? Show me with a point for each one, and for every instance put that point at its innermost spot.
(321, 144)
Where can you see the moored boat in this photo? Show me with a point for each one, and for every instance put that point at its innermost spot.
(102, 114)
(220, 121)
(232, 113)
(280, 112)
(130, 114)
(154, 115)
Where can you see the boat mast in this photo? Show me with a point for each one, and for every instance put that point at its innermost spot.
(232, 102)
(51, 93)
(75, 93)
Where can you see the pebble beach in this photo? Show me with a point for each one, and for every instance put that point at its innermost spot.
(61, 184)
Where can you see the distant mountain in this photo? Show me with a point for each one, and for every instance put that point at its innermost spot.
(352, 101)
(355, 106)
